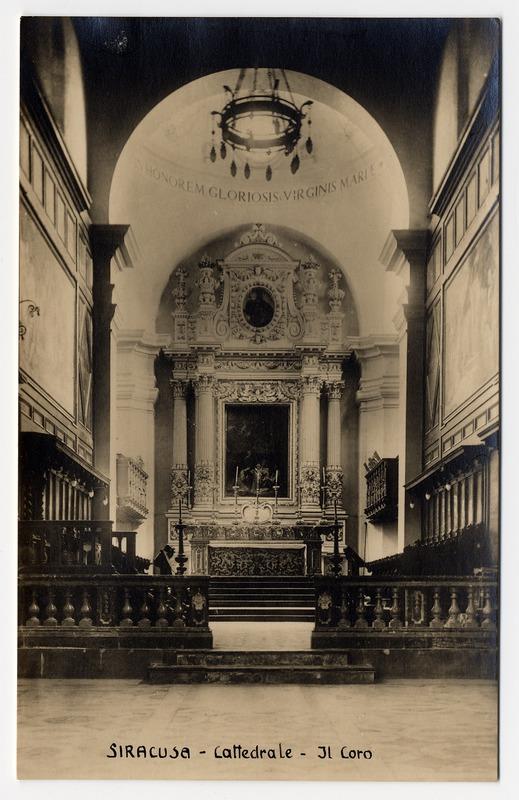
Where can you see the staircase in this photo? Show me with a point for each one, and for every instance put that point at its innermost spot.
(259, 667)
(259, 599)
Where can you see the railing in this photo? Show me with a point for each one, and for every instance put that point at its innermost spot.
(124, 556)
(65, 544)
(132, 481)
(382, 490)
(465, 552)
(109, 601)
(375, 604)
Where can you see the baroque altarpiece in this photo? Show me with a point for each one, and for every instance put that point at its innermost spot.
(257, 371)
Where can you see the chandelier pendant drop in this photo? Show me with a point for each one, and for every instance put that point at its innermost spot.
(261, 122)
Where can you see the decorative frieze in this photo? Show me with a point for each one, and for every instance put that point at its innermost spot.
(256, 561)
(257, 391)
(282, 364)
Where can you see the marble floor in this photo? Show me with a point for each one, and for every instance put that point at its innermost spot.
(261, 635)
(414, 729)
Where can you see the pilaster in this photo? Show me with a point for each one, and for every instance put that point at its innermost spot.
(404, 254)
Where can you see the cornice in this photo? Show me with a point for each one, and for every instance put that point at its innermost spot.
(483, 118)
(35, 106)
(403, 248)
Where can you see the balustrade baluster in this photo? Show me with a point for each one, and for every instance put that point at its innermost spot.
(454, 610)
(178, 622)
(162, 620)
(144, 621)
(68, 611)
(85, 611)
(361, 621)
(488, 612)
(418, 614)
(126, 611)
(395, 621)
(378, 622)
(51, 611)
(436, 611)
(344, 619)
(470, 612)
(34, 612)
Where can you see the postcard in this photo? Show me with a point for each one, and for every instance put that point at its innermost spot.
(259, 349)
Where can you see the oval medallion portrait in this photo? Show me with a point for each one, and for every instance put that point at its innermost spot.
(259, 307)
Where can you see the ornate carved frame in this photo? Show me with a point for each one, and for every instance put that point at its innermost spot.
(253, 392)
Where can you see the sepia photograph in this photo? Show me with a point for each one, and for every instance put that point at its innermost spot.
(259, 398)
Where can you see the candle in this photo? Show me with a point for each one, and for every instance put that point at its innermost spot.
(324, 475)
(236, 478)
(189, 478)
(276, 478)
(180, 509)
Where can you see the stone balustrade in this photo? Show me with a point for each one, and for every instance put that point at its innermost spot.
(381, 605)
(50, 545)
(95, 603)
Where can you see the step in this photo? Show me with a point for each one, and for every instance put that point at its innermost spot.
(260, 602)
(236, 615)
(228, 658)
(260, 582)
(260, 674)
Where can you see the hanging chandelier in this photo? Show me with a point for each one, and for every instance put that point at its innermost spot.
(259, 123)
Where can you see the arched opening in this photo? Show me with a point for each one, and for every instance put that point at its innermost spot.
(183, 205)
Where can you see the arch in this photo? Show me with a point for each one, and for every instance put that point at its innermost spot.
(348, 196)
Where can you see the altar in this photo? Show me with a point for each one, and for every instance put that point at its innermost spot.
(257, 361)
(264, 550)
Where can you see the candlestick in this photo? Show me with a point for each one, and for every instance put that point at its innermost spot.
(181, 558)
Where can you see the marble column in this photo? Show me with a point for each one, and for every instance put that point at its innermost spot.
(179, 461)
(204, 443)
(334, 473)
(309, 427)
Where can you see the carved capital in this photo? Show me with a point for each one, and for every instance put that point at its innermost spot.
(178, 388)
(203, 383)
(311, 384)
(335, 390)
